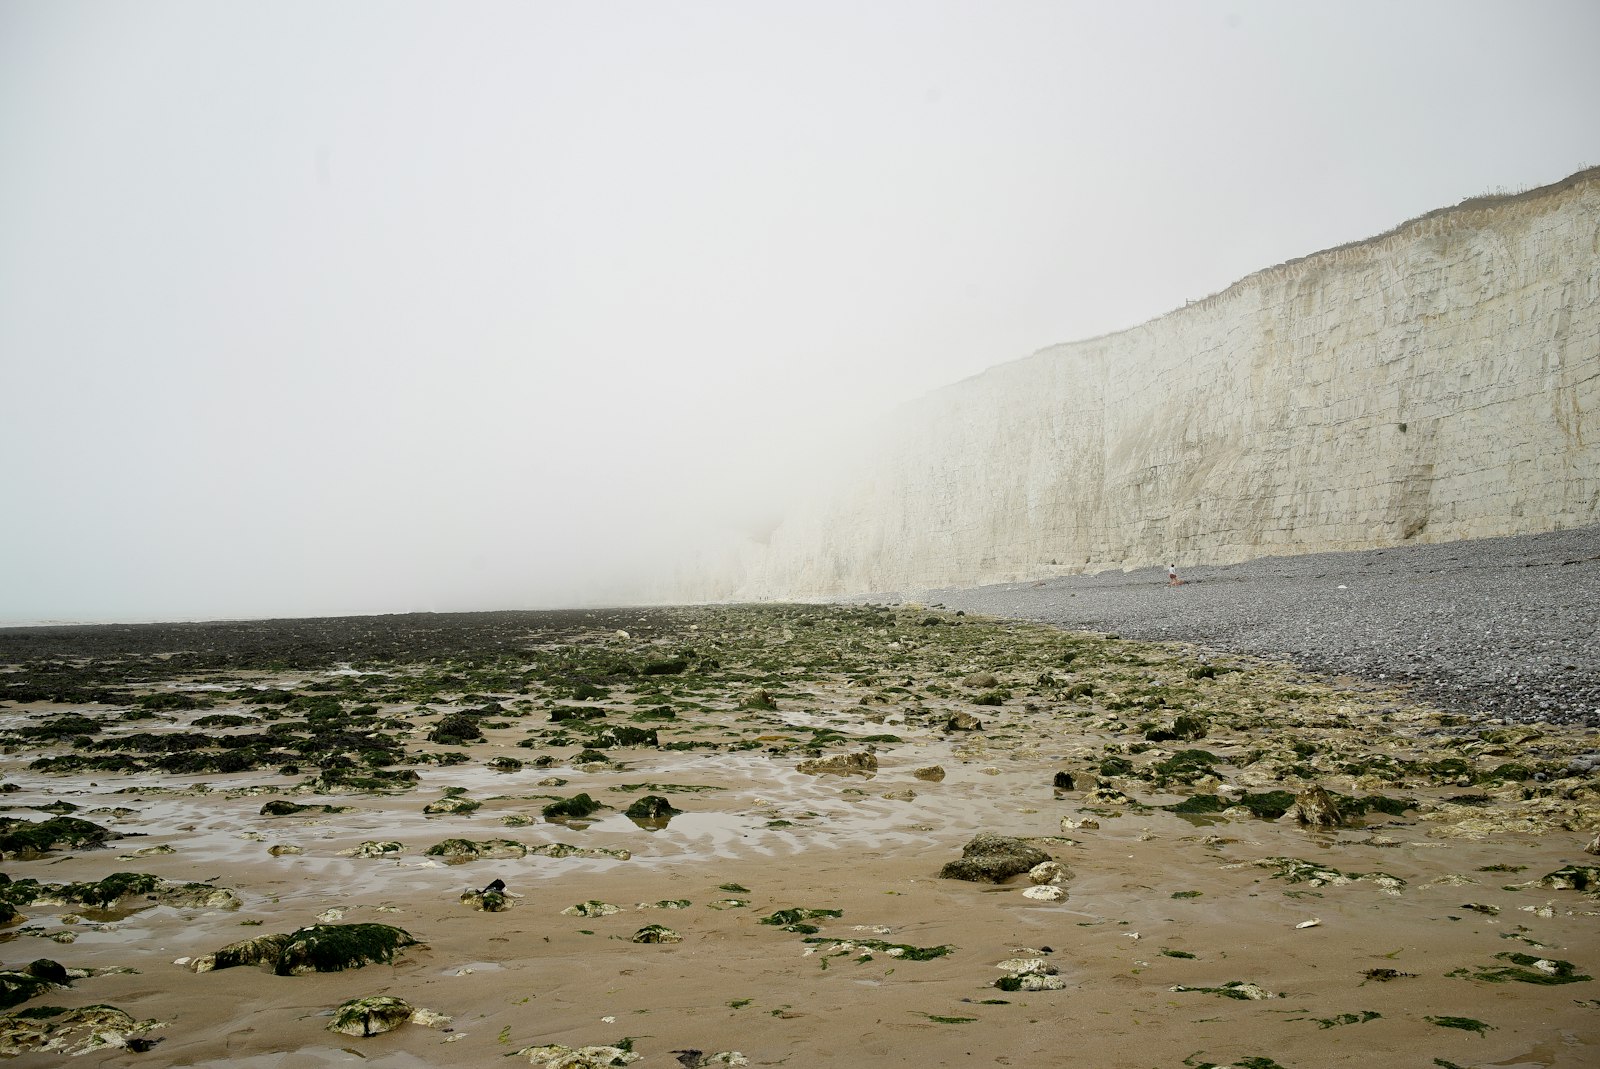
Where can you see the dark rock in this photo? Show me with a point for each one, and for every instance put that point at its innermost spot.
(993, 859)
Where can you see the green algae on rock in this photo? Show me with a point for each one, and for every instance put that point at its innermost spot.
(575, 808)
(651, 807)
(370, 1016)
(487, 901)
(592, 908)
(451, 806)
(25, 838)
(1234, 989)
(35, 978)
(318, 948)
(377, 1014)
(59, 1030)
(656, 933)
(993, 859)
(458, 850)
(556, 1056)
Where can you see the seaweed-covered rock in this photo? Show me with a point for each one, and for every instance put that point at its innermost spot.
(555, 1056)
(318, 948)
(472, 850)
(993, 859)
(1063, 781)
(371, 1016)
(58, 1030)
(592, 908)
(1313, 807)
(1049, 872)
(455, 729)
(841, 765)
(376, 848)
(198, 896)
(25, 838)
(336, 947)
(1573, 878)
(1028, 974)
(652, 812)
(621, 735)
(20, 985)
(115, 888)
(451, 805)
(699, 1059)
(656, 933)
(963, 722)
(489, 900)
(281, 808)
(575, 808)
(504, 764)
(932, 773)
(761, 700)
(262, 950)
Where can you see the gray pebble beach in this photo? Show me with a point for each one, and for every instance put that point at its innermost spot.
(1501, 626)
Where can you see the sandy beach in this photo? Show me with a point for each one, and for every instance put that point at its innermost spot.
(822, 759)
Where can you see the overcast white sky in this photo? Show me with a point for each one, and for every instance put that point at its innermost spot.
(313, 308)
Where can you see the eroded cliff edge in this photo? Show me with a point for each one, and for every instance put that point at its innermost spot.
(1434, 383)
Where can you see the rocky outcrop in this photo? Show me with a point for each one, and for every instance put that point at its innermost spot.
(1437, 382)
(993, 859)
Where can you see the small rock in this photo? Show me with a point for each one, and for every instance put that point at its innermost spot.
(932, 773)
(841, 765)
(555, 1056)
(371, 1016)
(1049, 872)
(1045, 893)
(963, 722)
(1314, 807)
(1085, 823)
(592, 908)
(993, 859)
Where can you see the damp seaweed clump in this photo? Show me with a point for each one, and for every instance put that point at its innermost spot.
(1526, 969)
(794, 920)
(898, 951)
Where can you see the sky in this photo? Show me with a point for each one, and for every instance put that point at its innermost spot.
(315, 309)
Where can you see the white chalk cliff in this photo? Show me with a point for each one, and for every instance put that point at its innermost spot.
(1437, 382)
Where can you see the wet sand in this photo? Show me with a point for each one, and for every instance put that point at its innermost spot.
(1155, 900)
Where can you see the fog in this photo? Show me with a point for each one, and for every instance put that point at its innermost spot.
(316, 308)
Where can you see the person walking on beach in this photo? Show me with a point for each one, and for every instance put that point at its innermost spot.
(1172, 576)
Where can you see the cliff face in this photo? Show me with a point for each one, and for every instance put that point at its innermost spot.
(1435, 383)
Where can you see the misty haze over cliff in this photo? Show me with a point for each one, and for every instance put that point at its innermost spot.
(380, 307)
